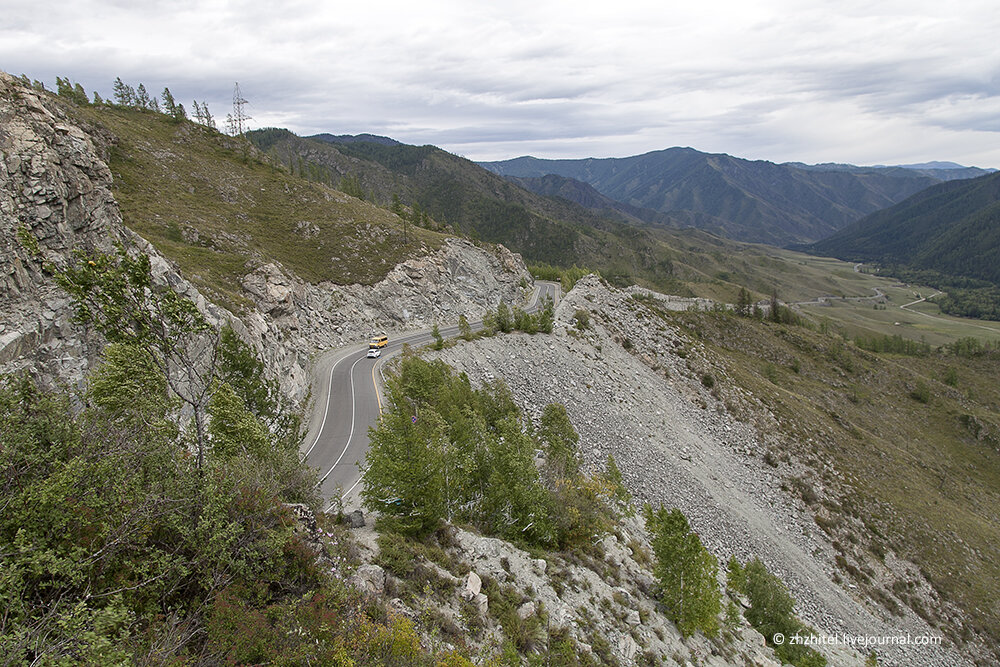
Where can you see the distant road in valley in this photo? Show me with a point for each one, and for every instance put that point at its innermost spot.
(347, 390)
(906, 307)
(913, 303)
(822, 300)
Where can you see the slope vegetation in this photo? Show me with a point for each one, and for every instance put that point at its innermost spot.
(215, 206)
(870, 482)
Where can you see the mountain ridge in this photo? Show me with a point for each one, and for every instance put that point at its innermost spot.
(747, 200)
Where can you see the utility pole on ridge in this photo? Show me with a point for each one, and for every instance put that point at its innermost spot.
(237, 121)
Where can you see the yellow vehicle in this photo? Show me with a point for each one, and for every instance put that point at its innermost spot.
(378, 342)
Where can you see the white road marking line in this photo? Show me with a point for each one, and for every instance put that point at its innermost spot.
(353, 413)
(329, 399)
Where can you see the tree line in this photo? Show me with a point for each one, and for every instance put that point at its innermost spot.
(126, 96)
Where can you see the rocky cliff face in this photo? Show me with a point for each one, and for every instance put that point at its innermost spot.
(604, 601)
(55, 190)
(459, 279)
(56, 197)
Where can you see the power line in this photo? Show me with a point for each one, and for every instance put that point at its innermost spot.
(237, 121)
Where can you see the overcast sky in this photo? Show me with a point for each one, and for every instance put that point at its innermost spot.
(869, 82)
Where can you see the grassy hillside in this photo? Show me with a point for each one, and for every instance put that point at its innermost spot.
(470, 200)
(214, 205)
(890, 453)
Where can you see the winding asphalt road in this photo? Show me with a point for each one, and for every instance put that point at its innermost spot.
(347, 388)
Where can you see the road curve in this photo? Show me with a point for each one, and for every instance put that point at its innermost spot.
(347, 392)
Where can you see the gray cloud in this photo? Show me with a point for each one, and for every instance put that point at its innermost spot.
(781, 80)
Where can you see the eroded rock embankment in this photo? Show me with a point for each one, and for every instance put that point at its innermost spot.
(644, 401)
(56, 197)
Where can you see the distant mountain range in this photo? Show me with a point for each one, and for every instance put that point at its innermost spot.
(642, 220)
(544, 223)
(746, 200)
(942, 171)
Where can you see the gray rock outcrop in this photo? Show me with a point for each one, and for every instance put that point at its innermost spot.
(56, 197)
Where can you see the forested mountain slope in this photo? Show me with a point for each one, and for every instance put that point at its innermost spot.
(947, 235)
(755, 201)
(952, 228)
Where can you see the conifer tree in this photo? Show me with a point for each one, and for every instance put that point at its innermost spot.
(504, 320)
(124, 94)
(202, 114)
(169, 105)
(69, 91)
(209, 120)
(464, 328)
(142, 97)
(560, 440)
(80, 95)
(775, 308)
(63, 88)
(118, 91)
(438, 338)
(744, 303)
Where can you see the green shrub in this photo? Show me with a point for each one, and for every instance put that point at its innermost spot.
(685, 572)
(395, 554)
(446, 452)
(921, 393)
(772, 612)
